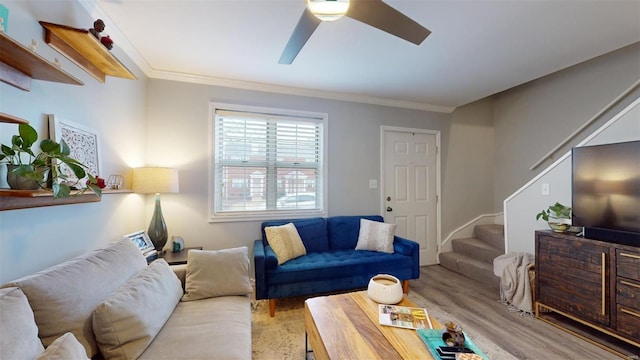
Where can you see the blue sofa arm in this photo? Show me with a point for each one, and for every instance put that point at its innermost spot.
(260, 269)
(263, 259)
(410, 248)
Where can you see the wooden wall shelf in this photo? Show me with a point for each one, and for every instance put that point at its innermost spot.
(18, 65)
(6, 118)
(81, 47)
(23, 199)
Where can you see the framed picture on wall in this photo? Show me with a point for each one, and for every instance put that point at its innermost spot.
(83, 143)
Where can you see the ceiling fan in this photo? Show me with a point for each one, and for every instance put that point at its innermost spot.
(371, 12)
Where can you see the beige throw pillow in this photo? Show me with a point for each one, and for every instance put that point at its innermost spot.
(217, 273)
(128, 320)
(376, 236)
(285, 242)
(18, 329)
(66, 347)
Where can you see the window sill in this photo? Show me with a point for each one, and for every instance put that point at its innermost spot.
(274, 215)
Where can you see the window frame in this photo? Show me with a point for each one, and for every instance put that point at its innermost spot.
(227, 216)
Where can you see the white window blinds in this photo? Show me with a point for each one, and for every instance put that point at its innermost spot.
(267, 163)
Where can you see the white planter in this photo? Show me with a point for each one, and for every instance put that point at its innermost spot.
(385, 289)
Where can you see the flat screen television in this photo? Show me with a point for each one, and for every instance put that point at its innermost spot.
(606, 191)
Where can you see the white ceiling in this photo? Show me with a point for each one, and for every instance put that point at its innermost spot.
(477, 48)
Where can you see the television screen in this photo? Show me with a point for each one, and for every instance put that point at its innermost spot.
(606, 187)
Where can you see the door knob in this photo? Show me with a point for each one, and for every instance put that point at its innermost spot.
(389, 208)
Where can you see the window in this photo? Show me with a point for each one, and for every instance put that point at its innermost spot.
(267, 163)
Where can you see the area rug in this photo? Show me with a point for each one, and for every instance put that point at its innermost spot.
(282, 337)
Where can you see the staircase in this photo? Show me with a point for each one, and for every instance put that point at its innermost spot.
(473, 257)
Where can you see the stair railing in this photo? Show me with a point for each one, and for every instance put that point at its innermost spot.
(585, 125)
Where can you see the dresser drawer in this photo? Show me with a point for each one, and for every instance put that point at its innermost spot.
(628, 294)
(629, 322)
(628, 264)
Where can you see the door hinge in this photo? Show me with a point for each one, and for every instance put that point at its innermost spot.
(437, 150)
(437, 199)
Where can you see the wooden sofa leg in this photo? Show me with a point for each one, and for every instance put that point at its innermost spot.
(272, 307)
(405, 286)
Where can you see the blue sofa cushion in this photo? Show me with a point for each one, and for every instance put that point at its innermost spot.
(340, 264)
(313, 232)
(343, 230)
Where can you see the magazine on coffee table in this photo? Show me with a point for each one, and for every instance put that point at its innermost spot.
(404, 317)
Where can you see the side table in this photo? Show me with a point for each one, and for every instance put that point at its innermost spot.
(178, 257)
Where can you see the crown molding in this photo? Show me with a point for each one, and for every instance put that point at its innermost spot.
(120, 40)
(123, 43)
(288, 90)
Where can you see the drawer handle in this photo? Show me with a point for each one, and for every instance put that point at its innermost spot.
(632, 313)
(630, 255)
(604, 284)
(630, 284)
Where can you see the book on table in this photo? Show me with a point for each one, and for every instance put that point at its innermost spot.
(403, 317)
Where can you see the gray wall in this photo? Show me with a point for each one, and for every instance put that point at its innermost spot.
(533, 118)
(32, 239)
(468, 165)
(178, 136)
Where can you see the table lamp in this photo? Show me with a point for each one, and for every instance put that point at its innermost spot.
(156, 180)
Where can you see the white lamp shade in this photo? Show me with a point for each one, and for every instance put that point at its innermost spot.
(151, 180)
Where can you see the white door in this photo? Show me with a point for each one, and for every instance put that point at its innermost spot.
(410, 187)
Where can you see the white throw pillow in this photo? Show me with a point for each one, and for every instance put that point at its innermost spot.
(217, 273)
(18, 329)
(128, 320)
(376, 236)
(285, 242)
(66, 347)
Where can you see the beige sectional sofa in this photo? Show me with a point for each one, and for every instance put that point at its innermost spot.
(110, 304)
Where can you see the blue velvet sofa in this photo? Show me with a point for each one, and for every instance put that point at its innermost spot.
(331, 264)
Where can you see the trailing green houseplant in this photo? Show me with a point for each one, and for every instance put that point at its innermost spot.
(558, 217)
(47, 165)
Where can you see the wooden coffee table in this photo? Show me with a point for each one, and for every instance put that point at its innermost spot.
(346, 326)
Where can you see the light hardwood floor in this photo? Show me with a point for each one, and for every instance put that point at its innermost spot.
(477, 307)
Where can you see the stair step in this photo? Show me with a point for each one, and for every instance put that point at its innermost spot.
(477, 249)
(492, 234)
(470, 267)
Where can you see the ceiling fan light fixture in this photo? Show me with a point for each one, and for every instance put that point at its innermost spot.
(328, 10)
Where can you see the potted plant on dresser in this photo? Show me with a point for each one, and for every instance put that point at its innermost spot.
(557, 216)
(51, 166)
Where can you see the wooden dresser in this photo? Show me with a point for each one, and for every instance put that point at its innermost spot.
(590, 288)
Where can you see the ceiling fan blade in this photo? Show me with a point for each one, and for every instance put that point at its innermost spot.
(382, 16)
(306, 26)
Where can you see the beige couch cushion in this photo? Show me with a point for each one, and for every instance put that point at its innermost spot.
(128, 320)
(64, 296)
(217, 273)
(66, 347)
(181, 272)
(214, 328)
(18, 330)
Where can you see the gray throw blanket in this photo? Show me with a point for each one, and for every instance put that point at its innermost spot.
(515, 288)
